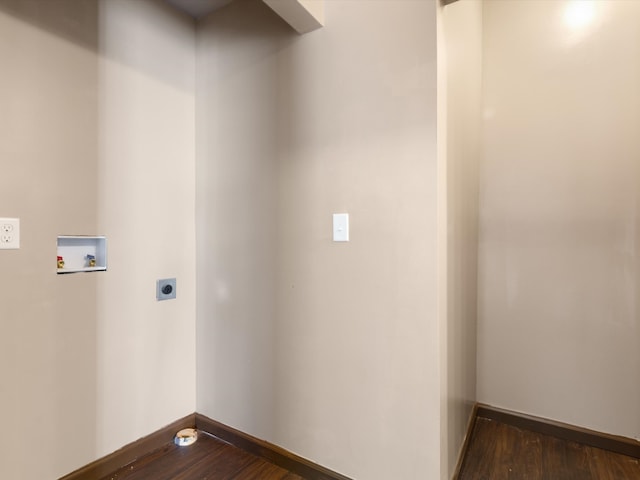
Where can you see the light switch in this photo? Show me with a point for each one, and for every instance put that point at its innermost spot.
(340, 227)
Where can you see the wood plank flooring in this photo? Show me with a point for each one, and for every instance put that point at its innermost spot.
(208, 458)
(502, 452)
(496, 451)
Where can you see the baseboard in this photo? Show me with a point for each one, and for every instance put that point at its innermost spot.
(467, 440)
(605, 441)
(277, 455)
(129, 453)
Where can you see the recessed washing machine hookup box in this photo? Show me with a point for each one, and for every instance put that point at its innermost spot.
(81, 253)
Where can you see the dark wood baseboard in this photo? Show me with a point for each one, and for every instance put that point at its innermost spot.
(564, 431)
(277, 455)
(466, 442)
(274, 454)
(129, 453)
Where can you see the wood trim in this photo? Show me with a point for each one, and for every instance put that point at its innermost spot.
(274, 454)
(129, 453)
(467, 440)
(605, 441)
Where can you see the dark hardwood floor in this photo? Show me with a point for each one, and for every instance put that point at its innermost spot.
(208, 458)
(498, 451)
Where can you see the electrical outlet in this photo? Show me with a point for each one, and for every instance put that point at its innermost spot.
(166, 289)
(9, 233)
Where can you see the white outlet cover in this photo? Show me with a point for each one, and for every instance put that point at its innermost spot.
(9, 233)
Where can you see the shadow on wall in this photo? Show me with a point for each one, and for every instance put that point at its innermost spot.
(82, 23)
(76, 22)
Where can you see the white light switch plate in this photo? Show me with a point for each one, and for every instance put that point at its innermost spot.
(340, 227)
(9, 233)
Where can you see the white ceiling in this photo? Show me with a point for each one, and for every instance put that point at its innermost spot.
(198, 8)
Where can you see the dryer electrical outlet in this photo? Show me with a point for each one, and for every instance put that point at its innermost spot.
(166, 289)
(9, 233)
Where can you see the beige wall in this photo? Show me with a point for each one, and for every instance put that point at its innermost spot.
(329, 350)
(145, 348)
(237, 181)
(97, 129)
(290, 130)
(334, 351)
(558, 319)
(48, 171)
(460, 67)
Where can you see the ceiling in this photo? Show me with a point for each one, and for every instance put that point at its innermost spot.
(198, 8)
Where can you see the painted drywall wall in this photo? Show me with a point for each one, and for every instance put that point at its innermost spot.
(146, 207)
(97, 132)
(558, 321)
(460, 67)
(237, 182)
(48, 165)
(329, 350)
